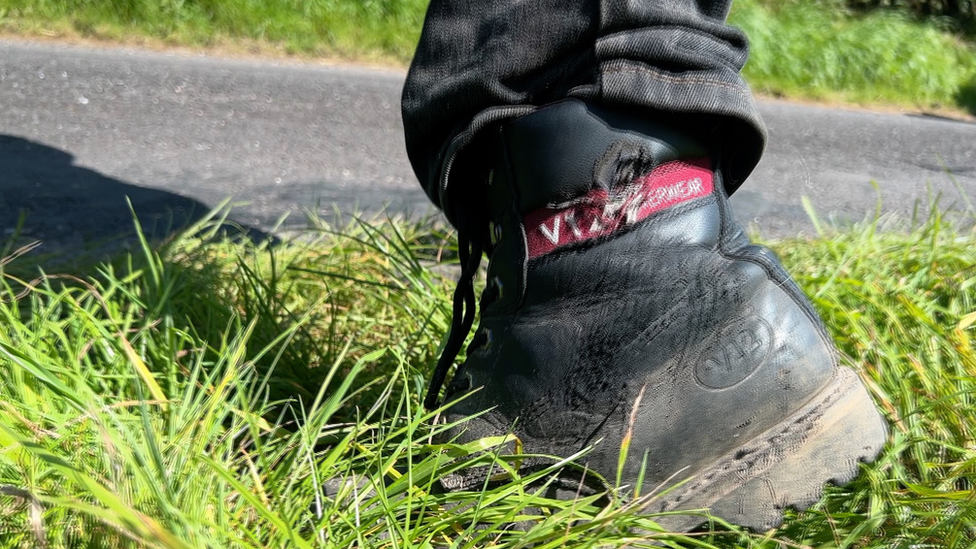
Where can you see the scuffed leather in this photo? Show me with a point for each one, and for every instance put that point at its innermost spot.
(677, 329)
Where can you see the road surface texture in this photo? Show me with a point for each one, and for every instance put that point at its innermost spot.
(81, 129)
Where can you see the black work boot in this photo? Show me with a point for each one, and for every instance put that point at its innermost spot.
(624, 302)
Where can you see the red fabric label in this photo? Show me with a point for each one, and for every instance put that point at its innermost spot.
(600, 212)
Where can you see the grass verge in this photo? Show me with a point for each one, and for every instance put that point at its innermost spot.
(201, 394)
(818, 50)
(384, 30)
(801, 49)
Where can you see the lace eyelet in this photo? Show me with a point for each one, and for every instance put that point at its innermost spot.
(462, 383)
(500, 288)
(489, 339)
(468, 381)
(495, 233)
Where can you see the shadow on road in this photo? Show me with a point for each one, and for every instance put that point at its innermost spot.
(76, 211)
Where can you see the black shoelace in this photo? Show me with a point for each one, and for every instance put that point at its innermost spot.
(470, 251)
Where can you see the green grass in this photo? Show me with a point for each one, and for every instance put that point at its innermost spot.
(816, 50)
(199, 394)
(813, 49)
(385, 30)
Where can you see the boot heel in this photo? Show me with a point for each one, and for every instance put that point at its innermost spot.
(788, 465)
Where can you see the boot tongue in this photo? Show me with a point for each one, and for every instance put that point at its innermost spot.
(583, 173)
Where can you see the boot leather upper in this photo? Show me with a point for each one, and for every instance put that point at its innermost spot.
(674, 329)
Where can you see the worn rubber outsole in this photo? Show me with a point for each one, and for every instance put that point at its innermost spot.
(786, 466)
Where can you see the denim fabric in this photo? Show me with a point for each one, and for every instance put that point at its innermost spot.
(482, 61)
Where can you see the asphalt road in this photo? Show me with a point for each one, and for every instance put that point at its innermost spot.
(81, 129)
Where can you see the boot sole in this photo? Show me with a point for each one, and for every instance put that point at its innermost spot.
(786, 466)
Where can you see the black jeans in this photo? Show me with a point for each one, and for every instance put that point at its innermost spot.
(482, 61)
